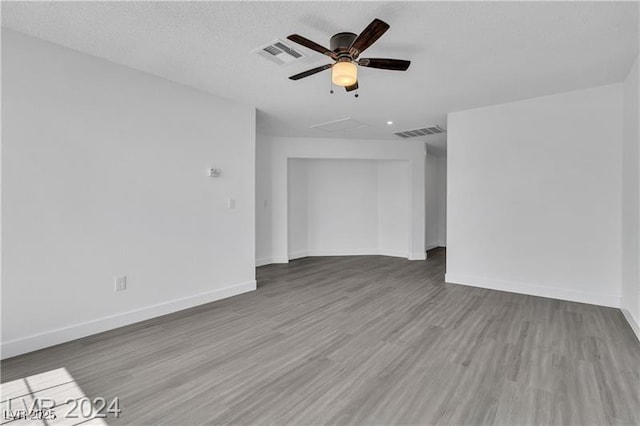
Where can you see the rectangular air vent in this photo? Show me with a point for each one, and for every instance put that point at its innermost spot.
(425, 131)
(279, 52)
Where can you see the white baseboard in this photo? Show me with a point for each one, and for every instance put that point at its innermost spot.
(346, 252)
(392, 253)
(298, 255)
(264, 261)
(76, 331)
(535, 290)
(270, 260)
(632, 322)
(431, 246)
(418, 256)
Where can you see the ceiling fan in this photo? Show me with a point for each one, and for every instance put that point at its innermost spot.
(345, 50)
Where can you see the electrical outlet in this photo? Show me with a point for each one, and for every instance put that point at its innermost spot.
(121, 283)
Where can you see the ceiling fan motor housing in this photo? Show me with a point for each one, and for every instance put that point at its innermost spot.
(341, 42)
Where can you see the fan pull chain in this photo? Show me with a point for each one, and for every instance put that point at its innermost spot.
(331, 86)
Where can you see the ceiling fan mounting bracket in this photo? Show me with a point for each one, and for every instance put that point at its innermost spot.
(341, 42)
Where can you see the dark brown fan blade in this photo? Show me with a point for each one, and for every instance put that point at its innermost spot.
(385, 63)
(312, 71)
(354, 86)
(311, 45)
(367, 37)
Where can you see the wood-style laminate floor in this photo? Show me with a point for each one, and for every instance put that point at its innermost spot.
(362, 340)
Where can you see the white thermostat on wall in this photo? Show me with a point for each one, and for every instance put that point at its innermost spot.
(214, 172)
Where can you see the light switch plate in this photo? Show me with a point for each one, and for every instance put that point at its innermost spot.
(121, 283)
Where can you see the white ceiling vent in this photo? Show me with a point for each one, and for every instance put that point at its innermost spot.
(339, 125)
(279, 52)
(425, 131)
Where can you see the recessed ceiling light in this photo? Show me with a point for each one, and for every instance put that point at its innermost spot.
(389, 123)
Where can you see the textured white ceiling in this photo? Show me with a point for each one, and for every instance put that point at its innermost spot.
(463, 55)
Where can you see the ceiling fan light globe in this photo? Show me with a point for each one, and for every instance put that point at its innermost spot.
(344, 74)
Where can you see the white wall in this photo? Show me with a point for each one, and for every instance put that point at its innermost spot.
(341, 207)
(278, 151)
(298, 209)
(631, 199)
(436, 201)
(339, 214)
(263, 201)
(394, 201)
(534, 196)
(103, 172)
(442, 202)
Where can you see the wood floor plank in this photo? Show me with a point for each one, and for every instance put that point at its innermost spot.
(362, 340)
